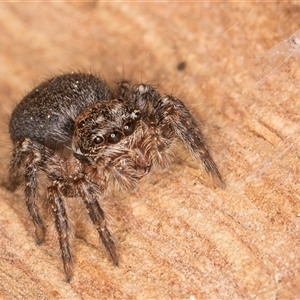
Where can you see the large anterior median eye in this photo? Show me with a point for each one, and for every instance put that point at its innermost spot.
(114, 137)
(129, 128)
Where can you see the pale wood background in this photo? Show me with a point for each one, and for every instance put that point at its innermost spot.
(178, 236)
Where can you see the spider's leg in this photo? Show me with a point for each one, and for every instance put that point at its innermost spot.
(177, 116)
(25, 152)
(89, 193)
(172, 117)
(16, 161)
(144, 97)
(122, 89)
(62, 226)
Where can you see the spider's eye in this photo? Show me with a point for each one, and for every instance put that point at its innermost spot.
(98, 140)
(81, 123)
(114, 137)
(129, 128)
(138, 115)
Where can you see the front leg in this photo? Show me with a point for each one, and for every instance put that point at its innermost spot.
(168, 119)
(55, 198)
(177, 117)
(88, 192)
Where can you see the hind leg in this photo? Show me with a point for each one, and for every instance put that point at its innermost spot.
(27, 154)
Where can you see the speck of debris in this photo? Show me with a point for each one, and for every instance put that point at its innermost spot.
(181, 66)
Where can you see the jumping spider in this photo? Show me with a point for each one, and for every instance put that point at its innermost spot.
(87, 138)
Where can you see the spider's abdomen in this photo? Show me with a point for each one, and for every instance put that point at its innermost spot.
(47, 114)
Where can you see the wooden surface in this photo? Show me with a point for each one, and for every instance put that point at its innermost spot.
(178, 236)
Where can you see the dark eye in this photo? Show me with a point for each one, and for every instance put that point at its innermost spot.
(138, 115)
(129, 128)
(98, 140)
(81, 123)
(114, 137)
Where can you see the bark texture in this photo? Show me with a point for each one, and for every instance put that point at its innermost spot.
(236, 66)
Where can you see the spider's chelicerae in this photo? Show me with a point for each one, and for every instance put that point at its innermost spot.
(86, 138)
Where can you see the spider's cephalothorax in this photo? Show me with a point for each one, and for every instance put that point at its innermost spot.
(86, 139)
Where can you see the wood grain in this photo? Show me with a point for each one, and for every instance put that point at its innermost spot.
(178, 236)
